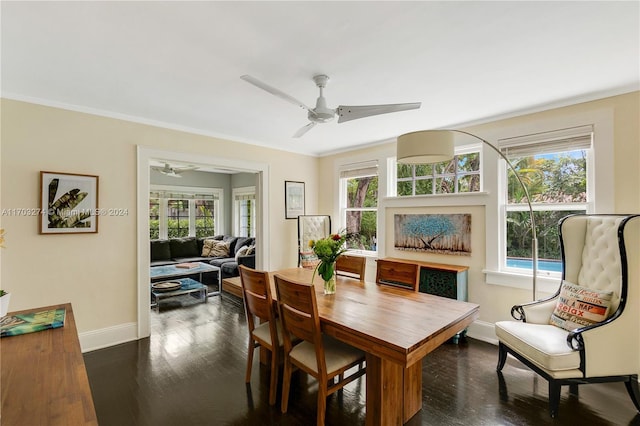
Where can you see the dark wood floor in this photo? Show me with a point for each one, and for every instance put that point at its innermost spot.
(191, 372)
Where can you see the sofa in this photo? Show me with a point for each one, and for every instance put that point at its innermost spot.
(236, 251)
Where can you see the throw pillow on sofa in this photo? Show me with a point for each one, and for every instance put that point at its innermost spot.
(242, 251)
(215, 248)
(160, 250)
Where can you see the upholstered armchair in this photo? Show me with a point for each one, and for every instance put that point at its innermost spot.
(588, 331)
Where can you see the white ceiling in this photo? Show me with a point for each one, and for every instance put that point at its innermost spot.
(177, 64)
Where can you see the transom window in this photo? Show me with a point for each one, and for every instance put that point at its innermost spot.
(459, 175)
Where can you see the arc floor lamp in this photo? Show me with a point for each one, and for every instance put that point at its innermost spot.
(434, 146)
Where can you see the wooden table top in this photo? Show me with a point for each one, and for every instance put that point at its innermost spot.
(391, 323)
(43, 377)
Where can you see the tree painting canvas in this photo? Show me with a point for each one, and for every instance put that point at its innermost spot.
(434, 233)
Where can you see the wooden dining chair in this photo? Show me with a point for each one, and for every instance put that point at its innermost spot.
(319, 355)
(398, 274)
(259, 306)
(351, 266)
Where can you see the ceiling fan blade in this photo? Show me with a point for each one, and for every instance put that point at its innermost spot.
(304, 129)
(348, 113)
(274, 91)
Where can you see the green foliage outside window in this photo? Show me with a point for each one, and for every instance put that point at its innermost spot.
(362, 194)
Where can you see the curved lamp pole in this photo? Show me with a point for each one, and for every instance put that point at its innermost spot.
(434, 146)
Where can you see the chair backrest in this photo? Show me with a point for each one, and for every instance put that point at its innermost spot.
(311, 227)
(299, 314)
(592, 253)
(399, 274)
(256, 293)
(351, 266)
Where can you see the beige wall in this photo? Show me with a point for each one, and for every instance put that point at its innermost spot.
(496, 301)
(97, 273)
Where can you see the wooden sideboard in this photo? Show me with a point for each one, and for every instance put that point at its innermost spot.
(43, 377)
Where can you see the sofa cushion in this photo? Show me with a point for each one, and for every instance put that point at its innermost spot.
(579, 306)
(221, 261)
(184, 247)
(160, 250)
(215, 248)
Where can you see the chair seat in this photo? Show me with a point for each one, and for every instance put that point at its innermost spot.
(544, 345)
(262, 332)
(337, 354)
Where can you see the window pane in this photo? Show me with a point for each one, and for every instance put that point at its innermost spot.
(469, 162)
(362, 192)
(424, 169)
(550, 178)
(424, 186)
(205, 220)
(362, 229)
(405, 188)
(178, 218)
(445, 185)
(519, 239)
(154, 218)
(445, 167)
(469, 183)
(404, 170)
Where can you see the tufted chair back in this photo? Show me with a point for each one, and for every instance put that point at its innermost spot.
(591, 251)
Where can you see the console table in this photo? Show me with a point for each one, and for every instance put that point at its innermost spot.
(43, 377)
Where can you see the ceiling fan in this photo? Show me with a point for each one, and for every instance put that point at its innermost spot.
(321, 114)
(175, 172)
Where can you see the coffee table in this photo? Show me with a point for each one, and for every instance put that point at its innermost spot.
(172, 271)
(187, 286)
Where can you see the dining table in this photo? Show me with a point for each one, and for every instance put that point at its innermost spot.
(396, 328)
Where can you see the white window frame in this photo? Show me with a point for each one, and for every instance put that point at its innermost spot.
(556, 145)
(600, 185)
(346, 169)
(217, 193)
(236, 194)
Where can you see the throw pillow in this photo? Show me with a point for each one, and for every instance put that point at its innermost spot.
(308, 260)
(242, 251)
(215, 248)
(250, 250)
(579, 306)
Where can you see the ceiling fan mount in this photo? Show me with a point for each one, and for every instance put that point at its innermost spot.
(323, 114)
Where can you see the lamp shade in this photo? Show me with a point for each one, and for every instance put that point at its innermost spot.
(425, 147)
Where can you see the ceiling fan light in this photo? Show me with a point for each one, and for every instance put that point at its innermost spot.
(425, 147)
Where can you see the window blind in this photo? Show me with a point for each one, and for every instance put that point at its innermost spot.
(355, 170)
(570, 139)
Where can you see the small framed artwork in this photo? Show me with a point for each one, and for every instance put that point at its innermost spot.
(293, 199)
(68, 203)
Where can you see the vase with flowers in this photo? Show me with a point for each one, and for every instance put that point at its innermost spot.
(4, 295)
(328, 250)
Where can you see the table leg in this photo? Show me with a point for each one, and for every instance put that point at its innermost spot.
(384, 392)
(394, 393)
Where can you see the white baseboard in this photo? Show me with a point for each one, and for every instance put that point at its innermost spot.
(110, 336)
(484, 331)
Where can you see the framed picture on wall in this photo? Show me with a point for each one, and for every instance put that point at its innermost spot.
(293, 199)
(68, 203)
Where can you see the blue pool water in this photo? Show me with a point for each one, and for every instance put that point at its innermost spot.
(543, 265)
